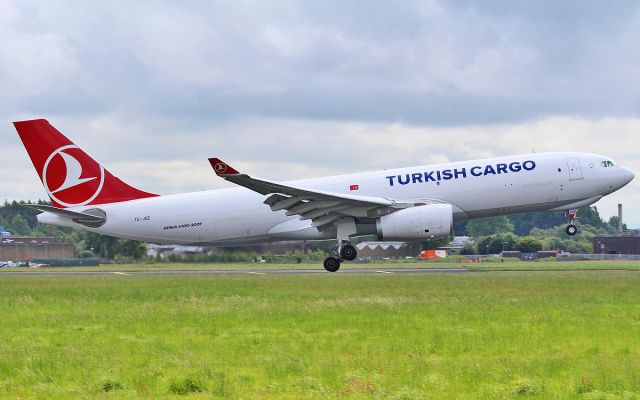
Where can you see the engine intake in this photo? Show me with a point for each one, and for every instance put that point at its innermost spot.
(416, 223)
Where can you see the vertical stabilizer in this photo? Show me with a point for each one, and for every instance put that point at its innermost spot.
(71, 177)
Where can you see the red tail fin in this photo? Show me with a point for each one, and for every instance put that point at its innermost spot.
(70, 177)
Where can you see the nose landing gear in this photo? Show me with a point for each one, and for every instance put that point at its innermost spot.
(572, 229)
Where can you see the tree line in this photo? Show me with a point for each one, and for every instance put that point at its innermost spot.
(532, 232)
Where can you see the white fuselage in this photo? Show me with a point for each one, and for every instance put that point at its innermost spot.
(478, 188)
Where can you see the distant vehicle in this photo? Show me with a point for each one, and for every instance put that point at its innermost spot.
(7, 264)
(432, 254)
(402, 204)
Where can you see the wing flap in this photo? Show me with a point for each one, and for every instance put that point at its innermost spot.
(308, 206)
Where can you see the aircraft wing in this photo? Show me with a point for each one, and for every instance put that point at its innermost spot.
(321, 207)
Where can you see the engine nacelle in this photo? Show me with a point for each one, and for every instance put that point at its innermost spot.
(416, 223)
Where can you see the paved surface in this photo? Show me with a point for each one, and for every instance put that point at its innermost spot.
(244, 272)
(348, 271)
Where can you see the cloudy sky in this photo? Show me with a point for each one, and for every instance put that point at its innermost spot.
(294, 89)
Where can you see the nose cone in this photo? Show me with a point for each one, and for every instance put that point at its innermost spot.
(626, 176)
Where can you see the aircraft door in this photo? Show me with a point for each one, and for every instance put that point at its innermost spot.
(575, 172)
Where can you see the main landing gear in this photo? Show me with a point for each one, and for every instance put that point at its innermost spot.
(332, 264)
(572, 229)
(346, 251)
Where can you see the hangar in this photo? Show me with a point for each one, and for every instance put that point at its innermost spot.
(30, 248)
(616, 245)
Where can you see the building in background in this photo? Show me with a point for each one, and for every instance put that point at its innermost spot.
(457, 243)
(625, 242)
(616, 245)
(383, 250)
(401, 250)
(166, 250)
(31, 248)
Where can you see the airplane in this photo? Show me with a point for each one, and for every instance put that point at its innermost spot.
(401, 204)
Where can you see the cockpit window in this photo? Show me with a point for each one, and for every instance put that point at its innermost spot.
(607, 163)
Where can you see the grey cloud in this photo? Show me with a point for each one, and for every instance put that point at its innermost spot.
(411, 107)
(417, 62)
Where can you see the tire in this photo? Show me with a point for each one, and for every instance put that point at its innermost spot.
(348, 252)
(331, 264)
(571, 230)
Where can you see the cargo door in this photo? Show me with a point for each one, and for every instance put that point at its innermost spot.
(575, 172)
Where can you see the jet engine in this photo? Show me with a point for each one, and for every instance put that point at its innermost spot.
(416, 223)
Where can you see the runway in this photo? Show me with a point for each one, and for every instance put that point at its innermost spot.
(345, 271)
(244, 272)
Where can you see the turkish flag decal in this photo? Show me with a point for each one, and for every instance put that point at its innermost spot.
(354, 187)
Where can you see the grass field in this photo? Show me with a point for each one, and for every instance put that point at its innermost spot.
(482, 266)
(551, 335)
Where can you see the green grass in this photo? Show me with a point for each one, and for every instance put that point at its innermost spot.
(465, 336)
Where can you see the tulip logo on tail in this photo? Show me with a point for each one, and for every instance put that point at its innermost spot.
(220, 168)
(81, 181)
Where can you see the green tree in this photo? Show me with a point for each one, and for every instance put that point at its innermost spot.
(86, 254)
(101, 245)
(552, 243)
(502, 242)
(489, 226)
(3, 223)
(528, 244)
(468, 249)
(556, 238)
(482, 244)
(495, 244)
(130, 249)
(613, 223)
(591, 216)
(523, 223)
(578, 247)
(10, 210)
(19, 226)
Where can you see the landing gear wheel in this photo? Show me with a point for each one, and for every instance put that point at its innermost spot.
(348, 252)
(571, 230)
(332, 264)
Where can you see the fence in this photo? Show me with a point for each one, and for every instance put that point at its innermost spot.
(562, 257)
(69, 262)
(574, 257)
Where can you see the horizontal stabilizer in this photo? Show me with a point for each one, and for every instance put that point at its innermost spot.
(92, 218)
